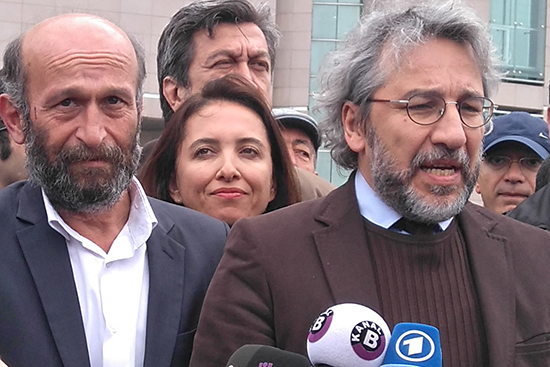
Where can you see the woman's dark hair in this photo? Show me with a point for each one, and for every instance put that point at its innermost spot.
(160, 168)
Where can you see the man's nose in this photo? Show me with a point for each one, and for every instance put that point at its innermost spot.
(514, 173)
(449, 130)
(242, 68)
(91, 130)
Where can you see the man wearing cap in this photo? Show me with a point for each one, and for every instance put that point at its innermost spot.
(513, 151)
(301, 135)
(303, 139)
(535, 209)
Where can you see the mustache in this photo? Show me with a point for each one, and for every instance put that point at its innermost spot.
(83, 153)
(441, 153)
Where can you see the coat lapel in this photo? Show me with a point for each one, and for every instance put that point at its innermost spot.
(48, 259)
(343, 249)
(492, 270)
(166, 285)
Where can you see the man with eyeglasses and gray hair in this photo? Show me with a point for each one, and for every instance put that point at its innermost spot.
(406, 99)
(513, 150)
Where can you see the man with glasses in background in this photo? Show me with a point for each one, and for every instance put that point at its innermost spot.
(406, 99)
(535, 210)
(513, 150)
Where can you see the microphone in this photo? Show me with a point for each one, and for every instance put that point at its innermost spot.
(252, 355)
(414, 345)
(348, 335)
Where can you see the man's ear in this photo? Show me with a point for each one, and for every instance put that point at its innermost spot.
(477, 188)
(353, 132)
(12, 119)
(174, 92)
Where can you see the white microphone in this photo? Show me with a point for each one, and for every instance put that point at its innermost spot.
(348, 335)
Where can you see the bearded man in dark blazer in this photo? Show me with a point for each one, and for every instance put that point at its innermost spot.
(406, 99)
(92, 272)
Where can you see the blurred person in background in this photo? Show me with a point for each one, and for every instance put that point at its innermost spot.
(222, 154)
(301, 135)
(513, 151)
(535, 210)
(543, 175)
(12, 159)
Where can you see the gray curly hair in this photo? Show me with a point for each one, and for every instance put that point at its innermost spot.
(359, 68)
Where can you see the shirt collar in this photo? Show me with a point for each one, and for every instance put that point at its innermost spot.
(375, 210)
(140, 224)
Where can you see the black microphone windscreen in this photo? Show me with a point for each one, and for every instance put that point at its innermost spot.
(252, 355)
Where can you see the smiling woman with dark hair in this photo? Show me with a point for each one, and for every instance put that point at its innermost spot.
(222, 154)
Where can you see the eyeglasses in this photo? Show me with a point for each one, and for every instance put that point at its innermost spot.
(500, 162)
(425, 109)
(2, 128)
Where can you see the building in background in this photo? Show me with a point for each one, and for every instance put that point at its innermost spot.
(311, 28)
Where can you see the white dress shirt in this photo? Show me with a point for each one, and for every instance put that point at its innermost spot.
(113, 287)
(375, 210)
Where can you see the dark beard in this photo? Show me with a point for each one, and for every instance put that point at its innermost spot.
(79, 189)
(396, 189)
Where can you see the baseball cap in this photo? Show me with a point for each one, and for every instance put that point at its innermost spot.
(290, 118)
(520, 127)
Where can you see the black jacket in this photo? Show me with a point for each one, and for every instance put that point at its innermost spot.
(535, 210)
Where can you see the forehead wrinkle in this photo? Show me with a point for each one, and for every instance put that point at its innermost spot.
(99, 59)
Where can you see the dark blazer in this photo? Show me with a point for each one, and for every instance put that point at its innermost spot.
(281, 270)
(40, 319)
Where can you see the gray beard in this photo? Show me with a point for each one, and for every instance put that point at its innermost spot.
(92, 190)
(396, 189)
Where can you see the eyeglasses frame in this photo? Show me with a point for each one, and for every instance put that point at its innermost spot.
(458, 104)
(512, 161)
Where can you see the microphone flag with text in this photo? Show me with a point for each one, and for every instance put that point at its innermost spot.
(414, 345)
(252, 355)
(348, 335)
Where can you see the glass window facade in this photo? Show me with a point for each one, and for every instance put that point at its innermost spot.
(331, 21)
(518, 28)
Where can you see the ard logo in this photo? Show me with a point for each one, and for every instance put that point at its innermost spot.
(265, 364)
(415, 346)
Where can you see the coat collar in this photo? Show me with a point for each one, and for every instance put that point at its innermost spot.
(343, 248)
(343, 251)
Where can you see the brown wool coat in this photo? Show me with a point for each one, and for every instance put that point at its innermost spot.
(280, 270)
